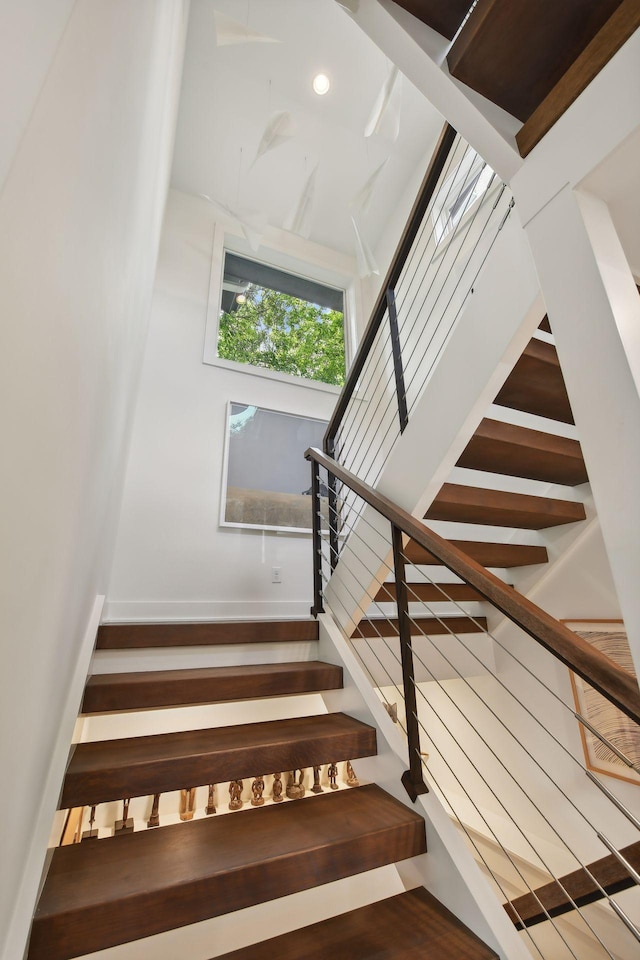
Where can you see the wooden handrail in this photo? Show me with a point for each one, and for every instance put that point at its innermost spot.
(603, 674)
(416, 217)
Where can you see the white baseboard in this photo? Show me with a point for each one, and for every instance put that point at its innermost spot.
(33, 875)
(147, 611)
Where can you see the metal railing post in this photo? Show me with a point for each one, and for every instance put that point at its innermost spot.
(318, 600)
(398, 369)
(412, 779)
(332, 487)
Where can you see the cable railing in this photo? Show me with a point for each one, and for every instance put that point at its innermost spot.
(460, 210)
(494, 744)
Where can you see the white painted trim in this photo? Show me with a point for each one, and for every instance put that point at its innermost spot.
(161, 611)
(278, 256)
(248, 368)
(33, 875)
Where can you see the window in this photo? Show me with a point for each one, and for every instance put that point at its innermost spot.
(275, 319)
(460, 192)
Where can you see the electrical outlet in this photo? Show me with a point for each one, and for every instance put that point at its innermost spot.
(276, 575)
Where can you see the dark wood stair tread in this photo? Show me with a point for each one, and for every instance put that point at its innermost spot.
(141, 766)
(429, 592)
(515, 451)
(444, 18)
(514, 52)
(388, 627)
(97, 895)
(621, 25)
(488, 554)
(462, 504)
(125, 636)
(107, 692)
(536, 385)
(410, 926)
(527, 910)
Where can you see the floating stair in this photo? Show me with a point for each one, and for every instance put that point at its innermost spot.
(536, 385)
(108, 692)
(125, 636)
(110, 892)
(498, 508)
(498, 447)
(579, 888)
(420, 626)
(100, 894)
(410, 926)
(429, 592)
(488, 554)
(141, 766)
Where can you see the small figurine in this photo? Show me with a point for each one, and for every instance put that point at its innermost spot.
(352, 780)
(126, 824)
(187, 803)
(235, 794)
(257, 789)
(92, 832)
(295, 788)
(333, 776)
(392, 710)
(316, 788)
(154, 819)
(211, 805)
(276, 793)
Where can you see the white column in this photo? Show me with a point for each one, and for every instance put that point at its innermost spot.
(594, 310)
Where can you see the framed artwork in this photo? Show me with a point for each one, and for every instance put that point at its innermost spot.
(608, 636)
(266, 482)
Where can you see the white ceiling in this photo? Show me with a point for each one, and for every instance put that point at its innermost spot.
(229, 93)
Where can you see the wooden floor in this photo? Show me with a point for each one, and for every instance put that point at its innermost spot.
(411, 926)
(100, 894)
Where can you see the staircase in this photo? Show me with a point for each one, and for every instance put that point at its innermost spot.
(100, 893)
(531, 59)
(499, 449)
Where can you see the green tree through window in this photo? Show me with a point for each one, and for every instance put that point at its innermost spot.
(281, 332)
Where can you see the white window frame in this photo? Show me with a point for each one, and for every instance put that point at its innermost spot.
(471, 165)
(223, 241)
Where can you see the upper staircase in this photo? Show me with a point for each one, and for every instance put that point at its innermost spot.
(140, 882)
(531, 59)
(535, 389)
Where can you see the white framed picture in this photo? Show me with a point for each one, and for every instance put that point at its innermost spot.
(266, 482)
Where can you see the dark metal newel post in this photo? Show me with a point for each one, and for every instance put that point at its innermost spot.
(412, 779)
(318, 605)
(333, 508)
(397, 360)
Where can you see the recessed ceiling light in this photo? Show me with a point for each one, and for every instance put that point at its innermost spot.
(321, 84)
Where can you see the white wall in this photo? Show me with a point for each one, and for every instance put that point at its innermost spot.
(80, 216)
(31, 32)
(173, 560)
